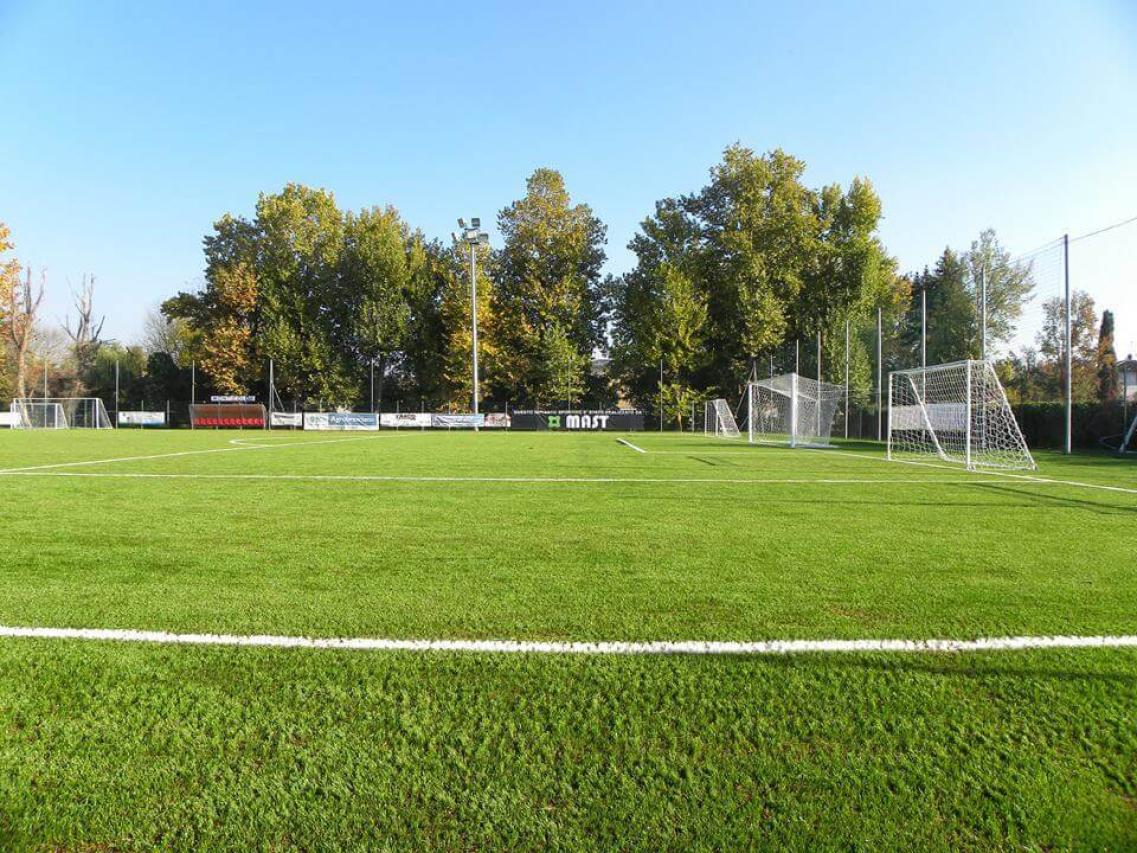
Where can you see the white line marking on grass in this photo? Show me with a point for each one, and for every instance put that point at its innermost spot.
(655, 647)
(234, 448)
(627, 443)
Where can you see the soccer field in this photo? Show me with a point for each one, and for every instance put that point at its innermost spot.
(493, 541)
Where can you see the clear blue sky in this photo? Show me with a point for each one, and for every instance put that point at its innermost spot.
(129, 128)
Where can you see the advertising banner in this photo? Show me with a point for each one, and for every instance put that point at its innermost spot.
(496, 421)
(344, 421)
(615, 420)
(288, 419)
(232, 398)
(457, 421)
(405, 420)
(141, 418)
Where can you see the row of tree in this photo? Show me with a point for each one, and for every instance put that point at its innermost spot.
(358, 309)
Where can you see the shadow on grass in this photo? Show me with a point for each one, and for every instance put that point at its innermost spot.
(953, 665)
(1044, 499)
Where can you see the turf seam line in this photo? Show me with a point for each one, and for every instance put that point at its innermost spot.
(656, 647)
(408, 478)
(234, 448)
(1029, 478)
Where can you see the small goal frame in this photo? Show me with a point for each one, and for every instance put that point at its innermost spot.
(718, 420)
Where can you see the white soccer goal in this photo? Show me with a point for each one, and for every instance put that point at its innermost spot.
(791, 409)
(59, 413)
(718, 420)
(957, 412)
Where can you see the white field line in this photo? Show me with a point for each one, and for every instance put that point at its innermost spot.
(395, 478)
(654, 647)
(231, 449)
(627, 443)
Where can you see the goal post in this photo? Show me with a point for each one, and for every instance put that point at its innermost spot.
(1129, 440)
(60, 413)
(718, 420)
(792, 410)
(955, 412)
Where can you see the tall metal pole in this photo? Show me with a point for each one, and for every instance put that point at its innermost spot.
(271, 391)
(818, 355)
(193, 389)
(116, 395)
(1069, 349)
(797, 356)
(661, 395)
(372, 386)
(817, 409)
(983, 314)
(474, 316)
(879, 371)
(923, 327)
(846, 377)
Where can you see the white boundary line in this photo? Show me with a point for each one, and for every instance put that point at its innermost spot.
(627, 443)
(656, 647)
(235, 447)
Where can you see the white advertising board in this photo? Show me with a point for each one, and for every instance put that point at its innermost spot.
(405, 420)
(288, 419)
(141, 418)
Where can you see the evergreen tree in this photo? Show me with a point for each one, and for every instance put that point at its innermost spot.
(1107, 379)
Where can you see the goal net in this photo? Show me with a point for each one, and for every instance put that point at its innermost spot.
(791, 409)
(59, 413)
(957, 412)
(718, 420)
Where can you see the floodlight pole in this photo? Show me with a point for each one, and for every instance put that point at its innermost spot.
(473, 237)
(373, 386)
(116, 395)
(474, 318)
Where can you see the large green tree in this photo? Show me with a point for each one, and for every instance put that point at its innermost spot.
(769, 261)
(547, 276)
(1009, 286)
(1051, 345)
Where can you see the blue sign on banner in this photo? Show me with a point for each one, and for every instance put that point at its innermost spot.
(353, 420)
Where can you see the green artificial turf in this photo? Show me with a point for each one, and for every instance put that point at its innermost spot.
(558, 536)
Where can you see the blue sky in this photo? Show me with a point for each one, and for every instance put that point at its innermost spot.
(131, 127)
